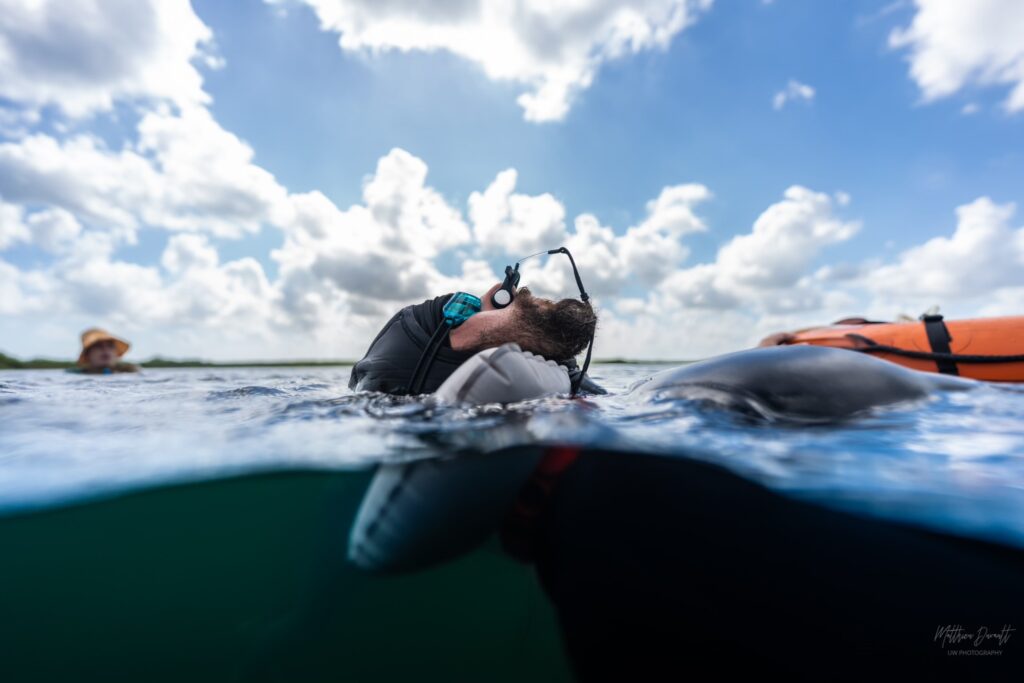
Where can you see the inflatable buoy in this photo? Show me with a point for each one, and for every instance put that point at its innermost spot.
(796, 383)
(990, 349)
(420, 513)
(506, 374)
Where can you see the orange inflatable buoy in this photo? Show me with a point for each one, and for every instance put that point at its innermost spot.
(990, 349)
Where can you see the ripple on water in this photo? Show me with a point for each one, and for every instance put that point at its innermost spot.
(244, 392)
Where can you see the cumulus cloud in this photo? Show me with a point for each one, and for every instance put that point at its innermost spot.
(53, 229)
(954, 44)
(411, 216)
(341, 272)
(379, 251)
(188, 252)
(655, 247)
(12, 228)
(795, 91)
(50, 229)
(514, 223)
(646, 253)
(785, 239)
(555, 49)
(983, 257)
(81, 56)
(184, 172)
(767, 269)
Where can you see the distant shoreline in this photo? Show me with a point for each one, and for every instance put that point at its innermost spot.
(11, 363)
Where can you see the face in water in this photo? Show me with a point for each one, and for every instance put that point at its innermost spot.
(102, 354)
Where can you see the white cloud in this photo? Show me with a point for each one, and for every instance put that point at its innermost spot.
(79, 175)
(654, 248)
(646, 253)
(12, 227)
(188, 252)
(50, 229)
(53, 229)
(785, 239)
(955, 44)
(795, 91)
(515, 224)
(342, 272)
(768, 268)
(207, 181)
(412, 217)
(555, 49)
(359, 262)
(81, 56)
(599, 253)
(184, 173)
(982, 258)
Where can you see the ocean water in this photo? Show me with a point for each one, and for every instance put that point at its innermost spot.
(954, 461)
(192, 524)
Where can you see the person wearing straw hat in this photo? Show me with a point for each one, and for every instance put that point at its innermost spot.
(101, 353)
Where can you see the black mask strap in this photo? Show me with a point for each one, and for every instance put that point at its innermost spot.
(585, 298)
(575, 271)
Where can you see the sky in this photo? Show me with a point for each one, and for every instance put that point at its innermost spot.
(272, 179)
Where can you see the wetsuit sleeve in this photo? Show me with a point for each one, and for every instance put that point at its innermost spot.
(393, 354)
(359, 370)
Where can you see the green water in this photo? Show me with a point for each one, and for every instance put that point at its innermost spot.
(245, 579)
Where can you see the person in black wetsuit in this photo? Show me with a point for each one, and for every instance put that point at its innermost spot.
(557, 330)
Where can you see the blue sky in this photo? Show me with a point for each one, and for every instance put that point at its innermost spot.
(700, 111)
(896, 136)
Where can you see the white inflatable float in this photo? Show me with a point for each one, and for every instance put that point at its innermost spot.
(420, 513)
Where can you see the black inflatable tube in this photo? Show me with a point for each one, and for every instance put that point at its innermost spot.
(663, 568)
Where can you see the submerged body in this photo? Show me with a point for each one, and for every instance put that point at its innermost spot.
(800, 382)
(662, 567)
(407, 519)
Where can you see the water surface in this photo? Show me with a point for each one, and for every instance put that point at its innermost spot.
(954, 461)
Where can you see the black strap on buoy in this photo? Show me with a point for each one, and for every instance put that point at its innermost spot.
(938, 339)
(868, 345)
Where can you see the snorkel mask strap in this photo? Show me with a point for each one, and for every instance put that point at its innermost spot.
(575, 271)
(585, 298)
(512, 281)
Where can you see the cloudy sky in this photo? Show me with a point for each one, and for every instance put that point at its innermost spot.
(272, 179)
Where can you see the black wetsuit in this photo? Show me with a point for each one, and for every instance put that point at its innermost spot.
(666, 568)
(392, 357)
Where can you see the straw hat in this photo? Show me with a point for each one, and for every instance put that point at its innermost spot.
(94, 335)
